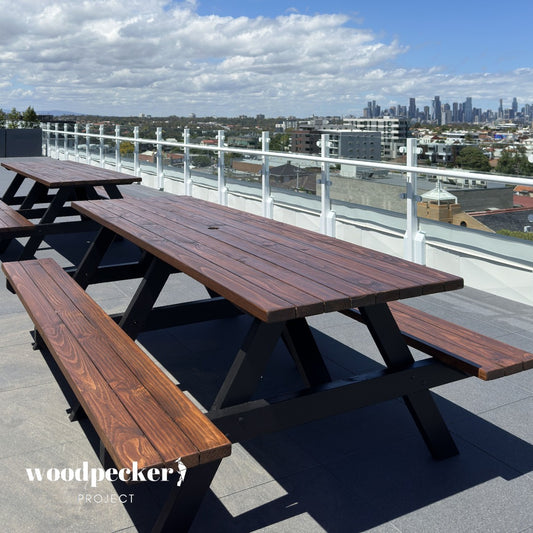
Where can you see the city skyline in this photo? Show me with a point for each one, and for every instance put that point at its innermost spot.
(226, 59)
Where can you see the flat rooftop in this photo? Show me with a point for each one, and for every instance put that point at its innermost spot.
(367, 470)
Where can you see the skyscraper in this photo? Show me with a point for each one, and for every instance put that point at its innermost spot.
(468, 109)
(412, 108)
(437, 111)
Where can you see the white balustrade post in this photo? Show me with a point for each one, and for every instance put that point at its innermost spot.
(87, 144)
(136, 167)
(159, 162)
(56, 143)
(327, 216)
(187, 180)
(65, 140)
(414, 240)
(76, 143)
(48, 126)
(266, 192)
(102, 145)
(118, 161)
(222, 189)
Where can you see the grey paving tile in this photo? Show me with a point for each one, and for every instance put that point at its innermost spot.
(477, 396)
(505, 433)
(15, 331)
(403, 481)
(491, 507)
(357, 432)
(22, 367)
(312, 500)
(57, 505)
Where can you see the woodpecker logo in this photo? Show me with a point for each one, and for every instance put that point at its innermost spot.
(96, 475)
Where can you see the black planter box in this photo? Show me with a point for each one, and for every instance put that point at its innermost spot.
(20, 142)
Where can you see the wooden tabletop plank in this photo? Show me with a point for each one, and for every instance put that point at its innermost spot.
(247, 259)
(336, 250)
(361, 290)
(265, 264)
(320, 278)
(55, 173)
(259, 271)
(247, 295)
(332, 269)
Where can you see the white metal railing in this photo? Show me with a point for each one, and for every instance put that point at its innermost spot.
(414, 239)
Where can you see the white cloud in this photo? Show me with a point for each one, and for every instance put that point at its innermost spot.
(126, 57)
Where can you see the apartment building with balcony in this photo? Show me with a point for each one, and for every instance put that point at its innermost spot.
(394, 132)
(343, 143)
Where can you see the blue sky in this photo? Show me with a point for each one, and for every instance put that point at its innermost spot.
(249, 57)
(462, 35)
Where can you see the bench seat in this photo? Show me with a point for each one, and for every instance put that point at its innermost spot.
(468, 351)
(13, 223)
(140, 415)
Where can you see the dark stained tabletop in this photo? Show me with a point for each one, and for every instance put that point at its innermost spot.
(55, 173)
(272, 270)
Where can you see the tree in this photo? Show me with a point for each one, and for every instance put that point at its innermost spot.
(279, 142)
(514, 162)
(473, 158)
(13, 119)
(126, 147)
(29, 118)
(2, 118)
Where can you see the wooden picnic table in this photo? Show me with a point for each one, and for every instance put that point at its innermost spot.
(280, 275)
(54, 184)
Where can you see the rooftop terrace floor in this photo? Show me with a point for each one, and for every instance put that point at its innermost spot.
(367, 470)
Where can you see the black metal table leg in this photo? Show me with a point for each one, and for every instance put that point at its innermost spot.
(249, 364)
(112, 191)
(13, 188)
(37, 192)
(92, 258)
(301, 344)
(182, 505)
(136, 314)
(53, 210)
(397, 356)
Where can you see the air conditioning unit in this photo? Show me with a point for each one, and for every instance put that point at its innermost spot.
(527, 229)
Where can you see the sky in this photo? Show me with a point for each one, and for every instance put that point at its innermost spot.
(271, 57)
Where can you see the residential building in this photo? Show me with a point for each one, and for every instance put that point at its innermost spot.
(394, 132)
(351, 144)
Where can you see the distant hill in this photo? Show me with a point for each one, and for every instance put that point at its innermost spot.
(56, 112)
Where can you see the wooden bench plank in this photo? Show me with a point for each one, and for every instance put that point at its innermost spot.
(470, 352)
(200, 430)
(90, 388)
(13, 223)
(106, 369)
(104, 353)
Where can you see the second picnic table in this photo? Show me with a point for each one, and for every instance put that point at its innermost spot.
(54, 183)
